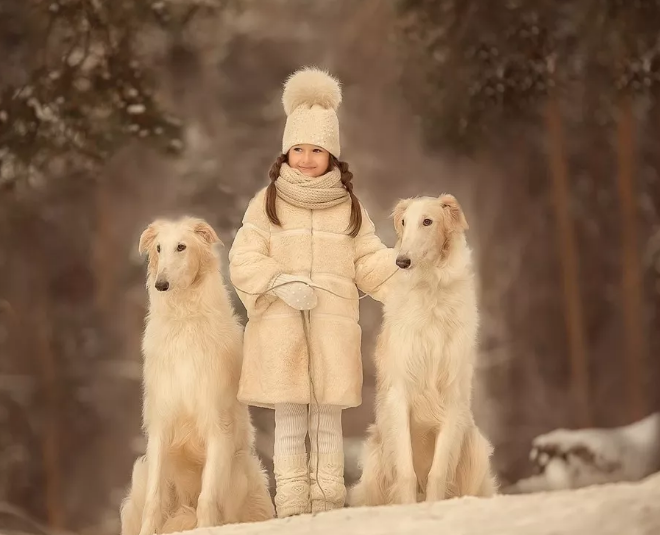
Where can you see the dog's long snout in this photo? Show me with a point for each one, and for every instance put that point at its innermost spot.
(162, 286)
(403, 262)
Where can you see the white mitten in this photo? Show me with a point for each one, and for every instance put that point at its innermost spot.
(295, 292)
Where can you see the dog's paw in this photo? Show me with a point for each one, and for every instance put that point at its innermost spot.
(152, 519)
(405, 490)
(436, 488)
(208, 514)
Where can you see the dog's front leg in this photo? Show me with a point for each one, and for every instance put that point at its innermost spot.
(397, 438)
(215, 479)
(152, 515)
(448, 444)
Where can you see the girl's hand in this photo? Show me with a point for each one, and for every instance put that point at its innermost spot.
(295, 292)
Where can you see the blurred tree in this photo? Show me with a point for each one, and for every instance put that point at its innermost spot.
(87, 88)
(635, 57)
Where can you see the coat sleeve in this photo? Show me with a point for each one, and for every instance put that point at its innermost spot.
(251, 268)
(375, 264)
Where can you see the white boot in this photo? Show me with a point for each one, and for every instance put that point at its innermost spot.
(291, 485)
(327, 487)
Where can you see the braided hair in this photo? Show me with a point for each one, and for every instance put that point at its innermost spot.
(355, 222)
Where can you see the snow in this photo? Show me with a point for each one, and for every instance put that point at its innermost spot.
(577, 458)
(612, 509)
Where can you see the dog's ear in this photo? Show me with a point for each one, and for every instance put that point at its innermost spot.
(147, 238)
(206, 232)
(397, 215)
(450, 204)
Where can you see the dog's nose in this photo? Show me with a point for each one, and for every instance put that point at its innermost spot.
(162, 286)
(403, 262)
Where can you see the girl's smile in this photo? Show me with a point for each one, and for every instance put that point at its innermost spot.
(310, 160)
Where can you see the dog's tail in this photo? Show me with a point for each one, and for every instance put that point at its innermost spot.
(473, 475)
(371, 488)
(183, 519)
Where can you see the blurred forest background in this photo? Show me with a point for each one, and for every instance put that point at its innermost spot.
(541, 116)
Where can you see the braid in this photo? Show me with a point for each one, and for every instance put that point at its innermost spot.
(355, 222)
(271, 190)
(356, 210)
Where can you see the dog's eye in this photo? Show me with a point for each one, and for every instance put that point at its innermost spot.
(180, 247)
(427, 222)
(403, 222)
(158, 248)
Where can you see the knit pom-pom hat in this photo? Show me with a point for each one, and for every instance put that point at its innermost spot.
(311, 98)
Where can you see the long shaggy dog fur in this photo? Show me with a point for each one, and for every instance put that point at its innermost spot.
(424, 444)
(200, 467)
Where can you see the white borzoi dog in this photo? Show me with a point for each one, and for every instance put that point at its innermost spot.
(424, 444)
(200, 467)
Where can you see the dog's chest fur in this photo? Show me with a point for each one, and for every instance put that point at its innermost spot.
(428, 337)
(186, 367)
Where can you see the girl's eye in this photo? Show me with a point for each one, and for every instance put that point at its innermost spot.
(158, 248)
(180, 247)
(427, 222)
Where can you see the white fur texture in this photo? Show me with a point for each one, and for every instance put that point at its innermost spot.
(309, 87)
(424, 444)
(200, 467)
(276, 365)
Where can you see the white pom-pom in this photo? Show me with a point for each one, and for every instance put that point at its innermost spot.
(311, 86)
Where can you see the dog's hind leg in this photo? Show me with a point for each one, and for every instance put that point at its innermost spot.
(183, 519)
(130, 512)
(216, 477)
(185, 477)
(184, 470)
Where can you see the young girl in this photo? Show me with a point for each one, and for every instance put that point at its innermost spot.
(305, 244)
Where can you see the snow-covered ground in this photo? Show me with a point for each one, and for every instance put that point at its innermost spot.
(611, 509)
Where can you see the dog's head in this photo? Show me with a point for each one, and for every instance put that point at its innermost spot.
(177, 251)
(425, 228)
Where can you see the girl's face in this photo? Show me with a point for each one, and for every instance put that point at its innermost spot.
(310, 160)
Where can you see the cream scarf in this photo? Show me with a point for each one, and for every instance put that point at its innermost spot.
(302, 191)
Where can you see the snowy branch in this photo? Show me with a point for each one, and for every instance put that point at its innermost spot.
(92, 91)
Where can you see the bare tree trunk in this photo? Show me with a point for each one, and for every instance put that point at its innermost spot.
(112, 305)
(568, 258)
(50, 433)
(104, 259)
(631, 281)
